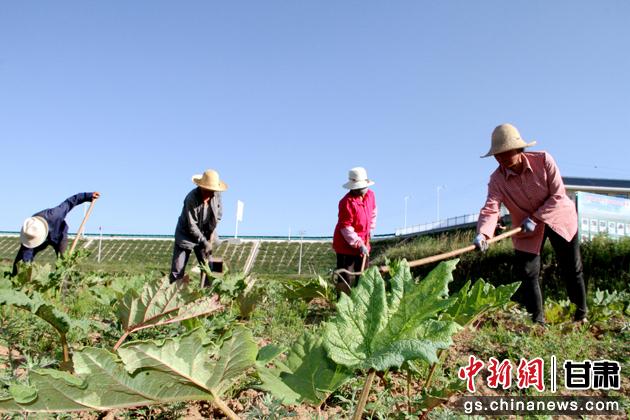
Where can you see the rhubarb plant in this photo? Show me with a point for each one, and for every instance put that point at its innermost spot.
(237, 290)
(376, 330)
(472, 302)
(307, 374)
(140, 373)
(37, 304)
(160, 303)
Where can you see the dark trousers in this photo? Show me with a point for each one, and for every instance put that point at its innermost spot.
(351, 263)
(26, 256)
(570, 262)
(180, 259)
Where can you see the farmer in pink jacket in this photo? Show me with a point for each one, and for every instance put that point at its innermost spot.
(357, 217)
(530, 186)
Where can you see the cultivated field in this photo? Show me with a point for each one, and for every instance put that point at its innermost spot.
(112, 339)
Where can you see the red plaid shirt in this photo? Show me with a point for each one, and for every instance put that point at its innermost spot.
(537, 192)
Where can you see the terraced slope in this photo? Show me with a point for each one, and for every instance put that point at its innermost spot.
(283, 258)
(118, 254)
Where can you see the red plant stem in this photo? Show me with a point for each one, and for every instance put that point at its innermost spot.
(120, 340)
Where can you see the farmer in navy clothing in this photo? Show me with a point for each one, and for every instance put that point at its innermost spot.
(48, 227)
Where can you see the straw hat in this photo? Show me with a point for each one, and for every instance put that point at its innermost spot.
(209, 180)
(357, 179)
(506, 137)
(34, 232)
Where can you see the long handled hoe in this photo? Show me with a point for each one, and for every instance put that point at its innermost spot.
(74, 243)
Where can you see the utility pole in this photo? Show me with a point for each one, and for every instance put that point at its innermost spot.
(300, 259)
(100, 243)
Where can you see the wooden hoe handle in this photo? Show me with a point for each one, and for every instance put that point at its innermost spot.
(451, 254)
(80, 231)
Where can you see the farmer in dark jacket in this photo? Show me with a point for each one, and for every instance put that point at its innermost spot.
(196, 225)
(48, 227)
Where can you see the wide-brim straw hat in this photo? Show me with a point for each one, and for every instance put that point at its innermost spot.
(34, 232)
(506, 137)
(357, 179)
(209, 180)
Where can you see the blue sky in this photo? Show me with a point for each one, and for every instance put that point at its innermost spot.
(282, 98)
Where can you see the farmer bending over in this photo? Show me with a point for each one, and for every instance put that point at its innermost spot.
(530, 186)
(48, 227)
(196, 225)
(357, 217)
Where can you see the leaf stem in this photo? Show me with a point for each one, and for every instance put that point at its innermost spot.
(409, 391)
(64, 346)
(221, 405)
(120, 340)
(434, 366)
(364, 395)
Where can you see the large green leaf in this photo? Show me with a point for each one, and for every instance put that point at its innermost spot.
(349, 336)
(307, 375)
(375, 331)
(33, 277)
(472, 302)
(161, 302)
(147, 372)
(401, 280)
(36, 304)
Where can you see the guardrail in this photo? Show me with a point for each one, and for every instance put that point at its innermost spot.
(443, 224)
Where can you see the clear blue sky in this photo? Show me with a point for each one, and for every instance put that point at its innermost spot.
(283, 97)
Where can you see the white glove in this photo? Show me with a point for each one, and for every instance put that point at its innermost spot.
(528, 225)
(480, 242)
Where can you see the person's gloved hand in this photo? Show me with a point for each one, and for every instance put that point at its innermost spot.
(207, 248)
(364, 250)
(480, 242)
(528, 225)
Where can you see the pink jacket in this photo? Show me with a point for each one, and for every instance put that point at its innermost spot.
(357, 216)
(537, 192)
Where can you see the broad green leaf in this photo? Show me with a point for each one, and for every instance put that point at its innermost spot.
(306, 290)
(268, 353)
(349, 336)
(162, 303)
(433, 397)
(33, 277)
(22, 394)
(156, 299)
(307, 375)
(272, 383)
(180, 369)
(35, 304)
(472, 302)
(375, 331)
(401, 280)
(420, 302)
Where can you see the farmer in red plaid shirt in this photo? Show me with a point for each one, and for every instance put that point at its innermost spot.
(529, 185)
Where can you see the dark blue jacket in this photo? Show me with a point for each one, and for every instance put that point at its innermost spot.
(57, 226)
